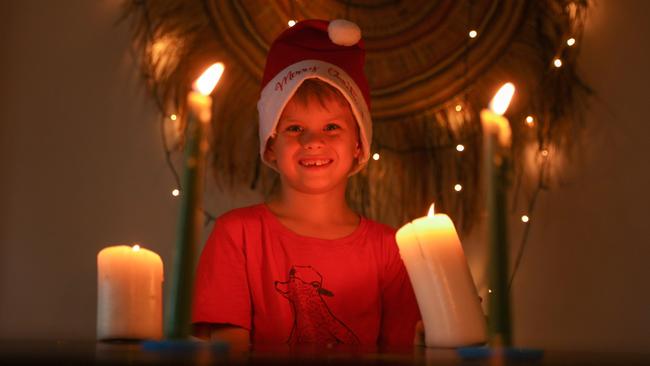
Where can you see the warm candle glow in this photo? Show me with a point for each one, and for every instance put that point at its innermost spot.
(432, 212)
(173, 117)
(176, 192)
(209, 79)
(493, 121)
(570, 42)
(557, 62)
(458, 188)
(442, 282)
(472, 34)
(291, 23)
(129, 293)
(460, 147)
(375, 156)
(502, 98)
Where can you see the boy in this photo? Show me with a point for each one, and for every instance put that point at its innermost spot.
(304, 268)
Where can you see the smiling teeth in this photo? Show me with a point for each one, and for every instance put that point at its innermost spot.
(315, 162)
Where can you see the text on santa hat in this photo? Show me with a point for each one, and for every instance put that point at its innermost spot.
(349, 86)
(291, 74)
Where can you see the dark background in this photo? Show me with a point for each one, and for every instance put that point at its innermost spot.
(82, 167)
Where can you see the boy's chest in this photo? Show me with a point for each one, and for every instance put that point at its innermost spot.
(338, 286)
(330, 271)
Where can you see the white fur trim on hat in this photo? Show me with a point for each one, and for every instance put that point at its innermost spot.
(343, 32)
(277, 93)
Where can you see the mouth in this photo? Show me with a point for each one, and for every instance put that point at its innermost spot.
(315, 163)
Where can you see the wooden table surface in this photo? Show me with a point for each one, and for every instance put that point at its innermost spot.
(100, 353)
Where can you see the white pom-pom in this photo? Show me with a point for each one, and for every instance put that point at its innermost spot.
(344, 32)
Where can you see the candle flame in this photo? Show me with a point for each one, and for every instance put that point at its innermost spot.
(135, 248)
(431, 210)
(209, 79)
(502, 98)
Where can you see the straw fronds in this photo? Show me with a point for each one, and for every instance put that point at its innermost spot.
(428, 78)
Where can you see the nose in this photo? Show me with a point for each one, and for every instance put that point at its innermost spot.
(312, 140)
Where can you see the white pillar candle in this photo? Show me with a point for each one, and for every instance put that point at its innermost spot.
(446, 295)
(129, 293)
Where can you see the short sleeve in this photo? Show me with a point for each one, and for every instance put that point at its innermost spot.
(400, 312)
(221, 290)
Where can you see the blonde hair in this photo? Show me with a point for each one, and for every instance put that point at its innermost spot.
(321, 91)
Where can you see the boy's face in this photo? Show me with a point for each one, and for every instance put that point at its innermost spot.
(316, 146)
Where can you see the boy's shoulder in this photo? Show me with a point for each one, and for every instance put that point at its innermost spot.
(239, 222)
(381, 229)
(242, 214)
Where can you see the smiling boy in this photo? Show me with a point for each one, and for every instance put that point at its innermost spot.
(304, 268)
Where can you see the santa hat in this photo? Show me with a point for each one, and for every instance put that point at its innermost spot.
(316, 49)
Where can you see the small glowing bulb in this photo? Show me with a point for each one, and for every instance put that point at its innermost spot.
(544, 153)
(557, 62)
(525, 218)
(530, 121)
(459, 108)
(173, 117)
(176, 192)
(458, 187)
(490, 290)
(375, 156)
(291, 23)
(472, 34)
(460, 147)
(571, 41)
(135, 248)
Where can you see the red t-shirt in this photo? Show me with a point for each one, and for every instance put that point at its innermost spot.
(286, 288)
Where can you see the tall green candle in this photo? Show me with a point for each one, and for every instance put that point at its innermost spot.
(496, 143)
(179, 304)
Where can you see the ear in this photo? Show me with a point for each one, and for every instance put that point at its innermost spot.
(269, 153)
(325, 292)
(357, 150)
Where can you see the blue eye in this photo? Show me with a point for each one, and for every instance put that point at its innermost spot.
(332, 127)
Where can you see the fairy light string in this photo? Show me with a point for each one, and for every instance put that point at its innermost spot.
(530, 121)
(456, 144)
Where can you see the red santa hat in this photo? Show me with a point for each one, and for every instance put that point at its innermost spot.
(316, 49)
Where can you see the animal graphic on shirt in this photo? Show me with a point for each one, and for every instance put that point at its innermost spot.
(313, 321)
